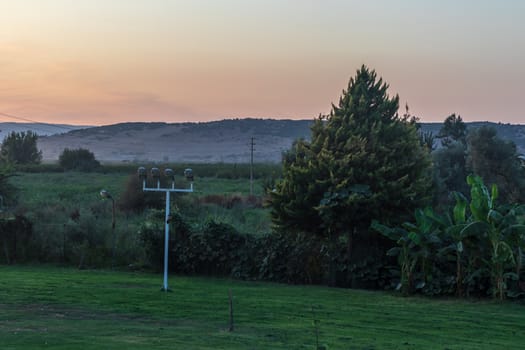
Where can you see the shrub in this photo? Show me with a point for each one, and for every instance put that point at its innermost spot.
(213, 251)
(15, 234)
(78, 159)
(134, 199)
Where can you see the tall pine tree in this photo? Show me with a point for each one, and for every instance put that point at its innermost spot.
(363, 162)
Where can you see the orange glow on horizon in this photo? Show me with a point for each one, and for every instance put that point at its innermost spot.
(96, 62)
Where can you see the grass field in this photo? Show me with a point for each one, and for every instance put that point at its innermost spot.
(75, 189)
(54, 308)
(76, 186)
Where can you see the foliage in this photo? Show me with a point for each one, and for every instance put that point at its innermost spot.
(21, 148)
(72, 225)
(428, 140)
(15, 233)
(416, 244)
(151, 237)
(480, 152)
(80, 159)
(450, 172)
(484, 243)
(7, 189)
(496, 161)
(213, 251)
(217, 248)
(290, 258)
(134, 200)
(501, 226)
(453, 130)
(363, 162)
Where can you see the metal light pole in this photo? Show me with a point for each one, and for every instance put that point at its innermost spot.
(155, 173)
(106, 195)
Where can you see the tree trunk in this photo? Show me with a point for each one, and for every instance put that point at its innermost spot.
(459, 275)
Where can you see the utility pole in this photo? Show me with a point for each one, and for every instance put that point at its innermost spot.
(251, 166)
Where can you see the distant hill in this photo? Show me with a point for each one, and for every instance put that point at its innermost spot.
(225, 141)
(41, 129)
(219, 141)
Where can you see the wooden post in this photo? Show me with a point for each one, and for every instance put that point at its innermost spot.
(231, 311)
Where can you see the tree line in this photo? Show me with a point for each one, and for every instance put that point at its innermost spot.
(369, 175)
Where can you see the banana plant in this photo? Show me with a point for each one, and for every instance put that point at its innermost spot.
(453, 227)
(517, 236)
(501, 228)
(406, 257)
(415, 248)
(507, 225)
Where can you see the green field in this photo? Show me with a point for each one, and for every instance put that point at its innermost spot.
(56, 308)
(51, 199)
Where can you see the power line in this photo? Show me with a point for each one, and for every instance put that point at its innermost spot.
(37, 122)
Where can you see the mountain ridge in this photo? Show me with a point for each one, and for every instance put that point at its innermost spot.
(226, 141)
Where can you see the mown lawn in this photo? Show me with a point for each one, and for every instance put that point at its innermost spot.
(59, 308)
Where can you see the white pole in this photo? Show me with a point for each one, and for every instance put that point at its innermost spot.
(189, 175)
(166, 240)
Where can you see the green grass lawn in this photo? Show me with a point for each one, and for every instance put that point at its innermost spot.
(54, 308)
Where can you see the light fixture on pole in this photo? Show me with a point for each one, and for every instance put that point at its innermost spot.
(170, 174)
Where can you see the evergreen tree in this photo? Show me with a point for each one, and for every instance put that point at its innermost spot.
(364, 161)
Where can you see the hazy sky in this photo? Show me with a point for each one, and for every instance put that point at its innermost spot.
(108, 61)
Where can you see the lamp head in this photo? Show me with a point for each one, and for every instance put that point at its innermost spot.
(188, 172)
(169, 173)
(155, 172)
(105, 194)
(142, 173)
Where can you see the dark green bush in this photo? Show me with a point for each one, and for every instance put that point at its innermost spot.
(151, 238)
(213, 251)
(78, 159)
(219, 249)
(15, 234)
(135, 200)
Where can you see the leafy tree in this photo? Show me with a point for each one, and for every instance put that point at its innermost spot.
(78, 159)
(450, 170)
(453, 130)
(21, 148)
(497, 162)
(364, 161)
(482, 153)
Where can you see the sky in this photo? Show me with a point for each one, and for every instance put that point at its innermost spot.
(99, 62)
